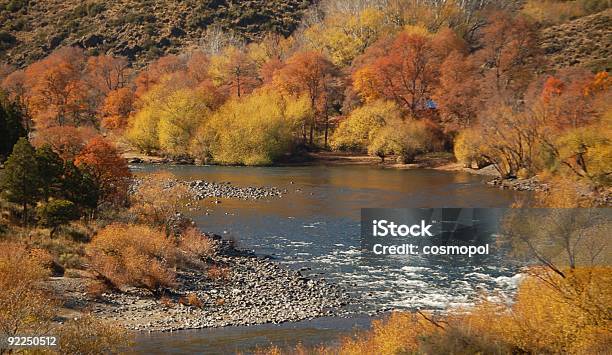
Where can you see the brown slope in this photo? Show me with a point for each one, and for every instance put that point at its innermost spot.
(139, 29)
(585, 42)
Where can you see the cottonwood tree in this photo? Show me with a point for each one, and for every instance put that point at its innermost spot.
(511, 56)
(57, 91)
(458, 94)
(116, 108)
(308, 73)
(406, 74)
(234, 71)
(101, 160)
(67, 141)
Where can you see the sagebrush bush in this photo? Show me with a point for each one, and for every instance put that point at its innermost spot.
(23, 307)
(133, 255)
(194, 246)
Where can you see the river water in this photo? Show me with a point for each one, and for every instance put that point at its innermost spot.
(315, 228)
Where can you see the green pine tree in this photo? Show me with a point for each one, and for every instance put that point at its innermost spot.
(20, 180)
(79, 187)
(11, 128)
(56, 213)
(51, 169)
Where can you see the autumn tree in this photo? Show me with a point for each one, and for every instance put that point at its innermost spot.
(255, 130)
(346, 34)
(405, 139)
(108, 169)
(308, 73)
(406, 74)
(57, 91)
(157, 71)
(67, 141)
(107, 73)
(234, 71)
(510, 55)
(116, 108)
(358, 130)
(168, 118)
(458, 96)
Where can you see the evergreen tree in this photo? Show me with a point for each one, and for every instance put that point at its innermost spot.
(79, 187)
(11, 128)
(51, 169)
(20, 180)
(56, 213)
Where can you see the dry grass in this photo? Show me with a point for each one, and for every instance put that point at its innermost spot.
(582, 42)
(88, 335)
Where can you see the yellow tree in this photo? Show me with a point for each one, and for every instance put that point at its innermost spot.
(234, 71)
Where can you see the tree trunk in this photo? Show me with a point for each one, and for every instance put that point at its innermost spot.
(326, 128)
(25, 214)
(312, 129)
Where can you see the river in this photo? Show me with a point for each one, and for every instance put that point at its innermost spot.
(315, 228)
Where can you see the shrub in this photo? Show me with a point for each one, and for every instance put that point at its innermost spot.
(219, 273)
(194, 246)
(469, 148)
(157, 201)
(23, 307)
(357, 132)
(541, 321)
(191, 300)
(133, 255)
(406, 139)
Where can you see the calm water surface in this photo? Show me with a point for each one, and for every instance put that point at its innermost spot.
(315, 228)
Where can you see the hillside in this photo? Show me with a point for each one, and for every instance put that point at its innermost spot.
(138, 29)
(586, 41)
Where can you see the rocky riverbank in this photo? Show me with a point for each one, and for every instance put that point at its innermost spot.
(531, 184)
(200, 189)
(250, 290)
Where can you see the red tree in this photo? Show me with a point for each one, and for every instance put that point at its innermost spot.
(406, 74)
(308, 73)
(110, 171)
(57, 93)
